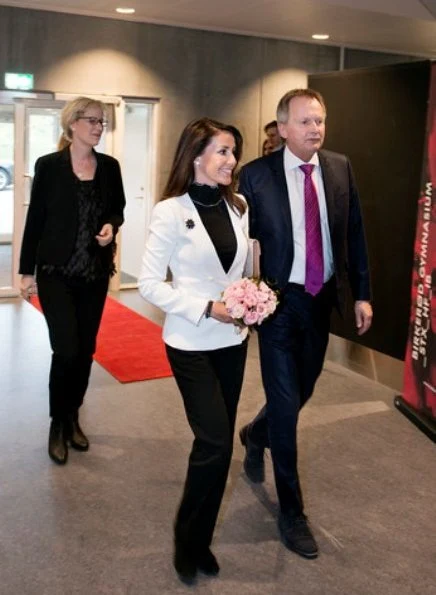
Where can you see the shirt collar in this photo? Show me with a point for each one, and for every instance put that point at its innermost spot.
(291, 161)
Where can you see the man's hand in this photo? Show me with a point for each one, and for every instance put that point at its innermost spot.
(363, 314)
(106, 235)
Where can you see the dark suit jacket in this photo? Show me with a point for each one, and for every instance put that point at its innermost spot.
(263, 183)
(52, 219)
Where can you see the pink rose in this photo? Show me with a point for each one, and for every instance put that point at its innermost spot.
(251, 317)
(239, 292)
(262, 310)
(250, 300)
(262, 296)
(231, 302)
(238, 311)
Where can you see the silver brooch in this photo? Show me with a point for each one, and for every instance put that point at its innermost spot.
(189, 223)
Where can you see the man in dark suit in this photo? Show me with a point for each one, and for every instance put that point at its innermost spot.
(304, 210)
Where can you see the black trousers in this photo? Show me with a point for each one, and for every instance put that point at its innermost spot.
(292, 350)
(73, 310)
(210, 383)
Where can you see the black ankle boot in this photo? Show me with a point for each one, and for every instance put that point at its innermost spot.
(207, 563)
(57, 444)
(185, 564)
(76, 437)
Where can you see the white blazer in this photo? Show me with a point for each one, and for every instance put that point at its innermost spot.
(179, 241)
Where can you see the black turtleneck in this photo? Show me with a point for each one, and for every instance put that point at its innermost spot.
(215, 217)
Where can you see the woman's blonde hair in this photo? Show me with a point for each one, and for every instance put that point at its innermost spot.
(71, 112)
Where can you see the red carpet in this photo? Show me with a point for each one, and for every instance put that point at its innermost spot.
(129, 346)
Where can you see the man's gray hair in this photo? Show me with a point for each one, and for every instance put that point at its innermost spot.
(283, 106)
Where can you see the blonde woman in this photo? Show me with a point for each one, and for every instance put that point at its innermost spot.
(76, 208)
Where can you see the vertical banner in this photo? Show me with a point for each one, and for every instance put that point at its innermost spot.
(418, 401)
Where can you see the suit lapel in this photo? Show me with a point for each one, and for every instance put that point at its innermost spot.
(200, 235)
(236, 223)
(69, 179)
(278, 169)
(330, 188)
(102, 178)
(193, 225)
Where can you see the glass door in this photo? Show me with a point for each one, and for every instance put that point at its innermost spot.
(37, 132)
(30, 128)
(6, 196)
(138, 164)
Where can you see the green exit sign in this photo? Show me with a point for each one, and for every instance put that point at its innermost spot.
(22, 81)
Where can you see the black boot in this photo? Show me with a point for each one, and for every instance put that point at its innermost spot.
(185, 563)
(207, 563)
(57, 445)
(76, 437)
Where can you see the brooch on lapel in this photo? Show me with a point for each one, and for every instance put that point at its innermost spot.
(189, 223)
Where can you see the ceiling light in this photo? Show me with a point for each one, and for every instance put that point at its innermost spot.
(320, 36)
(125, 10)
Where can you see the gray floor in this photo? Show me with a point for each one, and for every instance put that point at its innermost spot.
(102, 524)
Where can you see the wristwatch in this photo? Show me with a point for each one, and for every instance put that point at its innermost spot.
(208, 310)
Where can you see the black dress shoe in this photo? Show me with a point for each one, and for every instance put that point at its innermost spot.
(207, 563)
(254, 465)
(57, 444)
(76, 437)
(297, 536)
(185, 564)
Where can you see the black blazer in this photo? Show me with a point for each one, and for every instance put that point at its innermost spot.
(263, 183)
(52, 219)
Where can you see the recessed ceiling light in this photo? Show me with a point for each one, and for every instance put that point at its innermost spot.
(126, 10)
(320, 36)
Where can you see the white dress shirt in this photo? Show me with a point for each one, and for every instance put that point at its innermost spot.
(295, 183)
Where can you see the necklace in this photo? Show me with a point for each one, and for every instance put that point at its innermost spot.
(84, 168)
(202, 204)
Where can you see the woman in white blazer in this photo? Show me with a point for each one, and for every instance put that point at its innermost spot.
(199, 232)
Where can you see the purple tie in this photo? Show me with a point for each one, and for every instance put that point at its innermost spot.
(314, 256)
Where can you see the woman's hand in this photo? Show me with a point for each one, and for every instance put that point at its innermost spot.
(106, 235)
(219, 312)
(27, 286)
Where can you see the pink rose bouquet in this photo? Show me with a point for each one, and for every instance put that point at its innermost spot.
(249, 301)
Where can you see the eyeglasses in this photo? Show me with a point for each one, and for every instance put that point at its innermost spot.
(94, 121)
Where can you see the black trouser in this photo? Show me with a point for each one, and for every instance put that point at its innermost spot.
(210, 383)
(292, 350)
(73, 310)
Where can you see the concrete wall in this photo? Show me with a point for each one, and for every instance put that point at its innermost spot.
(234, 78)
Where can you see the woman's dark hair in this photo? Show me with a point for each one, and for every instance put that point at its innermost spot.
(193, 141)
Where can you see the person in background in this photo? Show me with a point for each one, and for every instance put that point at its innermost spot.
(275, 141)
(76, 208)
(267, 147)
(305, 212)
(199, 231)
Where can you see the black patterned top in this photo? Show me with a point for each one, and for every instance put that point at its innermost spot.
(86, 261)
